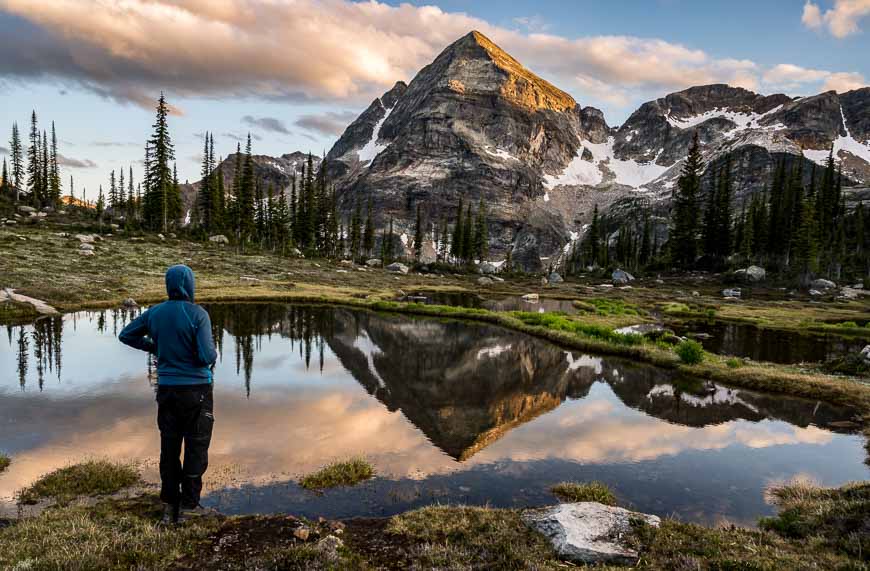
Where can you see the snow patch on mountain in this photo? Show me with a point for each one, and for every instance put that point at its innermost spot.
(501, 154)
(846, 143)
(590, 173)
(743, 120)
(374, 147)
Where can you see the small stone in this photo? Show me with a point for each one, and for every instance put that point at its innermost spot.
(731, 293)
(487, 268)
(822, 284)
(865, 355)
(86, 253)
(161, 237)
(621, 277)
(26, 209)
(85, 238)
(346, 262)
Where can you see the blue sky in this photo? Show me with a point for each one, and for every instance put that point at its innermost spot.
(294, 72)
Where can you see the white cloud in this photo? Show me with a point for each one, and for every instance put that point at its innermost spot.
(333, 50)
(792, 77)
(841, 20)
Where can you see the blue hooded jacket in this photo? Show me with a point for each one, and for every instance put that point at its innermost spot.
(177, 331)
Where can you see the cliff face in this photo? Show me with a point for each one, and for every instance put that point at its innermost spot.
(476, 125)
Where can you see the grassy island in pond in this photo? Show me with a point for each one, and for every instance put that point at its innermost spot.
(341, 473)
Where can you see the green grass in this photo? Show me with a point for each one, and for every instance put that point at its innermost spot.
(4, 461)
(607, 307)
(585, 492)
(91, 478)
(112, 535)
(558, 322)
(733, 363)
(690, 352)
(343, 473)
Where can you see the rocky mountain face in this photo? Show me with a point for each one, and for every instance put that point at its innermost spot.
(476, 125)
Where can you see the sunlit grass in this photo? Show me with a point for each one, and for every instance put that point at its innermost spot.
(343, 473)
(91, 478)
(584, 492)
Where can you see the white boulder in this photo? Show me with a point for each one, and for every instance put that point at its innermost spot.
(555, 278)
(487, 268)
(398, 268)
(731, 292)
(865, 355)
(755, 273)
(621, 277)
(822, 284)
(589, 532)
(373, 263)
(219, 239)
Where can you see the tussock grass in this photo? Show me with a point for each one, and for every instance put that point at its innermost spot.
(607, 307)
(91, 478)
(109, 535)
(585, 492)
(344, 473)
(4, 461)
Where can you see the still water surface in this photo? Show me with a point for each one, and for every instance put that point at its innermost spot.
(446, 411)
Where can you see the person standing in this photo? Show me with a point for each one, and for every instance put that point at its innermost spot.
(179, 333)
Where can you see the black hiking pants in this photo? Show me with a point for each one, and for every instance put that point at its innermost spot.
(185, 415)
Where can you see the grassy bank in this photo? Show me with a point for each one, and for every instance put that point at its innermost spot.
(815, 529)
(91, 478)
(343, 473)
(4, 461)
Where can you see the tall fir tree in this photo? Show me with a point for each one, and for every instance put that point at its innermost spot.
(481, 233)
(54, 171)
(162, 196)
(16, 168)
(34, 162)
(684, 231)
(418, 235)
(458, 239)
(369, 231)
(355, 231)
(247, 223)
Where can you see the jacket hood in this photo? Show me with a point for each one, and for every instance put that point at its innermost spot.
(180, 283)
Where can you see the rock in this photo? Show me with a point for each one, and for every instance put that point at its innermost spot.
(86, 246)
(373, 263)
(329, 547)
(496, 278)
(130, 302)
(341, 271)
(865, 355)
(346, 262)
(85, 238)
(822, 284)
(589, 532)
(815, 293)
(219, 239)
(755, 273)
(696, 294)
(640, 329)
(397, 268)
(531, 297)
(484, 281)
(544, 281)
(302, 533)
(731, 292)
(86, 253)
(487, 268)
(26, 209)
(621, 277)
(555, 278)
(161, 237)
(249, 279)
(114, 227)
(173, 235)
(297, 252)
(40, 306)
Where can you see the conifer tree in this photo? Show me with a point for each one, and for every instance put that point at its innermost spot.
(206, 194)
(100, 207)
(684, 232)
(388, 245)
(458, 240)
(54, 172)
(131, 199)
(418, 236)
(467, 254)
(355, 231)
(34, 160)
(44, 192)
(646, 242)
(162, 199)
(806, 243)
(113, 192)
(5, 186)
(292, 211)
(444, 242)
(481, 234)
(247, 223)
(369, 232)
(593, 239)
(16, 168)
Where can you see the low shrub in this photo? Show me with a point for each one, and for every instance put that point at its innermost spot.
(690, 352)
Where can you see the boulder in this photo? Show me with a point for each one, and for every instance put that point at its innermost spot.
(531, 297)
(114, 226)
(484, 281)
(346, 262)
(297, 252)
(85, 238)
(822, 284)
(755, 273)
(161, 237)
(589, 532)
(219, 239)
(397, 268)
(26, 209)
(731, 292)
(815, 293)
(865, 355)
(554, 278)
(487, 268)
(373, 263)
(86, 246)
(621, 277)
(130, 302)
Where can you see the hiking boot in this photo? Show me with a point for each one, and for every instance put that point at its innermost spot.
(196, 512)
(170, 514)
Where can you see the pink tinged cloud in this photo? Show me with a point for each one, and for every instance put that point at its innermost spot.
(841, 20)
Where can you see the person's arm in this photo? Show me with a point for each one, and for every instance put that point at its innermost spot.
(136, 334)
(206, 352)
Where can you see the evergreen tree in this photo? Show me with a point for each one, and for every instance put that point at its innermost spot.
(593, 239)
(54, 172)
(16, 169)
(369, 231)
(467, 236)
(6, 185)
(444, 242)
(162, 197)
(205, 196)
(388, 246)
(292, 213)
(44, 192)
(806, 243)
(100, 207)
(247, 223)
(34, 160)
(646, 242)
(113, 192)
(481, 234)
(418, 236)
(458, 240)
(355, 231)
(131, 199)
(684, 232)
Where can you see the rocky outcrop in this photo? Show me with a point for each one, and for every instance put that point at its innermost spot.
(590, 533)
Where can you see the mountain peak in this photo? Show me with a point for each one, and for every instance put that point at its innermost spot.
(475, 64)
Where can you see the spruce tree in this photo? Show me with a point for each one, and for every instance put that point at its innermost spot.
(684, 231)
(247, 223)
(16, 168)
(45, 192)
(34, 162)
(205, 195)
(369, 231)
(355, 231)
(162, 199)
(54, 172)
(418, 236)
(481, 234)
(6, 185)
(444, 242)
(467, 237)
(458, 240)
(593, 240)
(806, 243)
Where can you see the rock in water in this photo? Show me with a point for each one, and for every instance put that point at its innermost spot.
(397, 268)
(589, 532)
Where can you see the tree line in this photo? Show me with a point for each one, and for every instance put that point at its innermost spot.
(798, 226)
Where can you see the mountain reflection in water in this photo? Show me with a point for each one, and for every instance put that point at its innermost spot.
(508, 415)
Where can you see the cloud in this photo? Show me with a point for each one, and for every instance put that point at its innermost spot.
(240, 137)
(841, 20)
(4, 151)
(75, 163)
(793, 77)
(330, 123)
(339, 51)
(266, 123)
(114, 144)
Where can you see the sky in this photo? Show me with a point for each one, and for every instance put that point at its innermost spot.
(294, 73)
